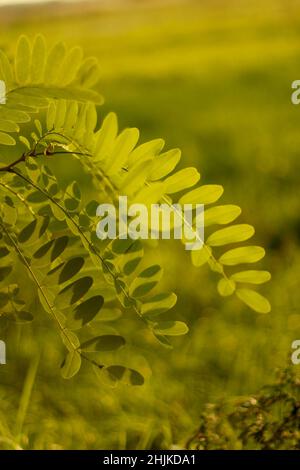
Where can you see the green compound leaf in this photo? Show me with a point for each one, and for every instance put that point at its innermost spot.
(103, 343)
(254, 300)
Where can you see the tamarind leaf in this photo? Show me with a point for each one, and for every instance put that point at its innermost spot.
(170, 328)
(4, 251)
(103, 343)
(246, 254)
(251, 277)
(145, 151)
(24, 317)
(36, 197)
(221, 215)
(85, 312)
(115, 374)
(23, 60)
(70, 66)
(6, 73)
(70, 269)
(254, 300)
(226, 287)
(183, 179)
(5, 272)
(8, 211)
(164, 164)
(124, 144)
(109, 314)
(73, 292)
(32, 169)
(89, 73)
(54, 62)
(38, 60)
(72, 197)
(145, 281)
(200, 257)
(7, 139)
(38, 75)
(8, 126)
(59, 247)
(158, 304)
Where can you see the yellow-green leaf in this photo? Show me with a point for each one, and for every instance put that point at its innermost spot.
(165, 163)
(200, 257)
(70, 66)
(71, 365)
(54, 62)
(221, 215)
(6, 139)
(181, 180)
(204, 195)
(233, 234)
(5, 70)
(171, 328)
(226, 287)
(246, 254)
(147, 150)
(23, 60)
(106, 136)
(159, 304)
(124, 144)
(38, 60)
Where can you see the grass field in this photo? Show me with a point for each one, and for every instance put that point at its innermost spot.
(213, 78)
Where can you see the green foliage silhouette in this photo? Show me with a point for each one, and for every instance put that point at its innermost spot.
(49, 232)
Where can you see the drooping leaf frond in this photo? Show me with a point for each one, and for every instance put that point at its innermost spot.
(38, 74)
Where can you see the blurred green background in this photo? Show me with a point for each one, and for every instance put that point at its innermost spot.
(212, 77)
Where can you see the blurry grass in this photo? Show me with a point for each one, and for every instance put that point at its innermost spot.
(214, 80)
